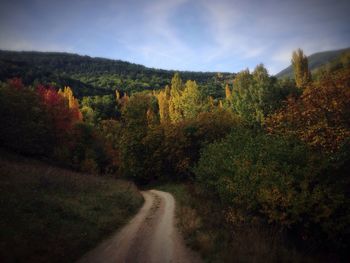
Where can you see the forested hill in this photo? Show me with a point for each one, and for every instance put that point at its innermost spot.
(97, 76)
(316, 61)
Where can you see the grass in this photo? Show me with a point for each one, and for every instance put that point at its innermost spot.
(50, 214)
(205, 230)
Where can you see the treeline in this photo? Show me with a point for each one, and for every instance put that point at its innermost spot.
(47, 123)
(96, 76)
(273, 152)
(292, 171)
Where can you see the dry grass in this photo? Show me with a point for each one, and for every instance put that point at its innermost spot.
(50, 214)
(202, 224)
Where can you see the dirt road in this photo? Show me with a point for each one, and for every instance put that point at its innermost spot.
(150, 237)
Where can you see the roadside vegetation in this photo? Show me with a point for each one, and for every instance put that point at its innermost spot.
(49, 214)
(267, 161)
(203, 224)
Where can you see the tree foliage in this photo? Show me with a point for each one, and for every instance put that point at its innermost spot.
(89, 76)
(191, 100)
(260, 177)
(321, 116)
(163, 101)
(301, 68)
(266, 152)
(256, 94)
(25, 120)
(177, 87)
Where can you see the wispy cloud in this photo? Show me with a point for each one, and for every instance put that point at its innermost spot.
(220, 35)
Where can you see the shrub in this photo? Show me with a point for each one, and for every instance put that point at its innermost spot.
(277, 180)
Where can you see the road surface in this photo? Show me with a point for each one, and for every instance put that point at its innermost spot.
(150, 237)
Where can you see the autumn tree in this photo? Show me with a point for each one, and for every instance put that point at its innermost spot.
(163, 101)
(73, 103)
(191, 101)
(117, 95)
(175, 111)
(301, 68)
(321, 116)
(228, 92)
(173, 148)
(26, 125)
(58, 109)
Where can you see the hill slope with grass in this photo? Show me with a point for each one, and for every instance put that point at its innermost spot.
(316, 61)
(50, 214)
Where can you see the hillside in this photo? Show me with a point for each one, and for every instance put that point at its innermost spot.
(97, 76)
(49, 214)
(315, 61)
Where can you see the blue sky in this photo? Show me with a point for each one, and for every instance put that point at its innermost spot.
(199, 35)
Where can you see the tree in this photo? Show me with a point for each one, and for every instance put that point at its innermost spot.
(173, 148)
(262, 92)
(62, 117)
(163, 103)
(301, 68)
(135, 128)
(26, 126)
(73, 103)
(191, 102)
(228, 92)
(320, 117)
(256, 94)
(175, 111)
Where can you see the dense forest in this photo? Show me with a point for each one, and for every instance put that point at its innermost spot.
(270, 153)
(96, 76)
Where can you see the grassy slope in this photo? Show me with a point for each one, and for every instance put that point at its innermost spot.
(55, 215)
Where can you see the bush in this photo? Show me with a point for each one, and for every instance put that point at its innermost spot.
(275, 180)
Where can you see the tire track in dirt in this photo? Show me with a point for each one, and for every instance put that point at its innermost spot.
(150, 237)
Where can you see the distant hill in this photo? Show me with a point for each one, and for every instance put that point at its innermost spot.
(95, 76)
(315, 61)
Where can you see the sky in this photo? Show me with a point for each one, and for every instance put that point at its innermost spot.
(197, 35)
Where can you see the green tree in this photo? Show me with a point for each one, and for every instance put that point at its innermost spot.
(135, 128)
(256, 94)
(243, 96)
(262, 90)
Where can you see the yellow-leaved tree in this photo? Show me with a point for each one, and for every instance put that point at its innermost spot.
(176, 90)
(301, 68)
(163, 98)
(191, 101)
(73, 103)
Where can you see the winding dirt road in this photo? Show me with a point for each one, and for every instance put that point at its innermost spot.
(150, 237)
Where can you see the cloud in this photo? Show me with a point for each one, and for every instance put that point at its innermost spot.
(223, 35)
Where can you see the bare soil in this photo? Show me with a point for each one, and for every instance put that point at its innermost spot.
(150, 237)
